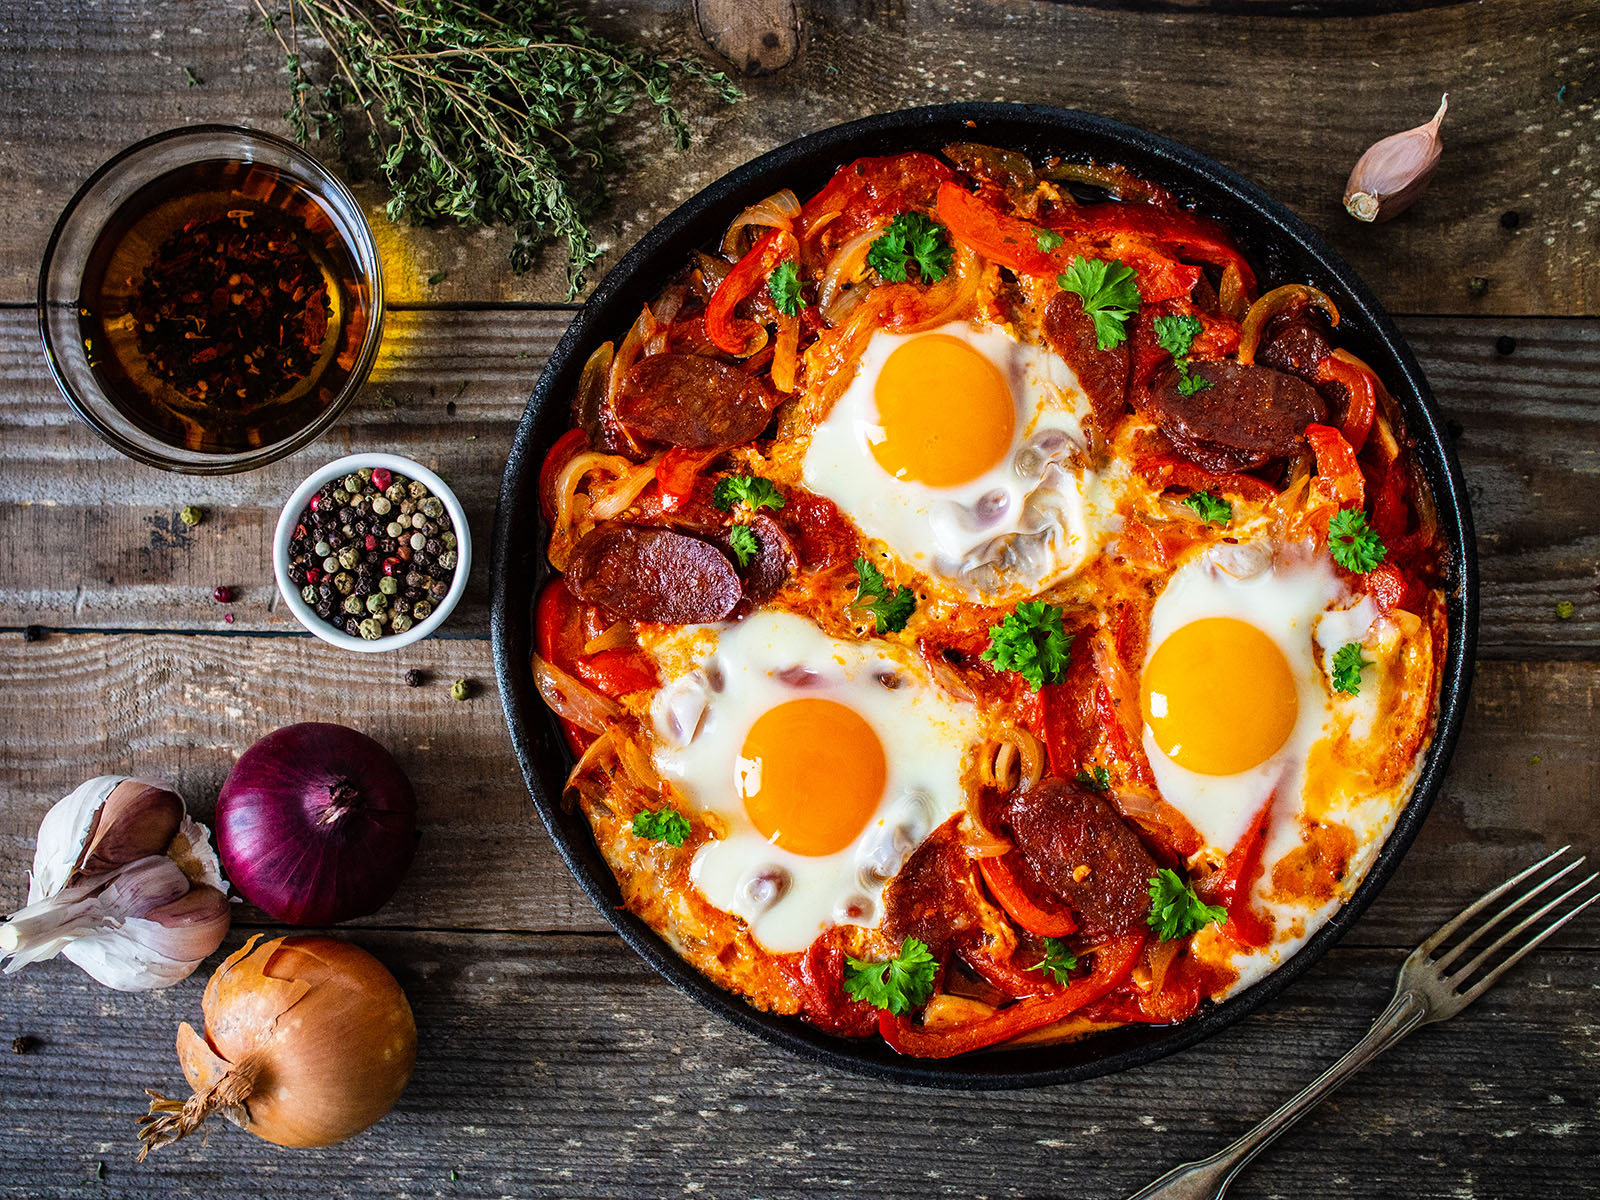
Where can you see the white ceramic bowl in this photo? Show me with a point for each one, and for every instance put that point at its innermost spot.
(290, 516)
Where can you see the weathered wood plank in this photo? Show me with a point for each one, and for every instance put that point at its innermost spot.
(1290, 102)
(184, 707)
(557, 1066)
(88, 540)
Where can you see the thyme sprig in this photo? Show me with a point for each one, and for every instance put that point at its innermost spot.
(482, 111)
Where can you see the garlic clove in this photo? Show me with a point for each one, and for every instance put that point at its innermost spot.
(1395, 171)
(137, 819)
(186, 929)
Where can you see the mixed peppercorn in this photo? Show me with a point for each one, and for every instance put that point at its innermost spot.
(373, 553)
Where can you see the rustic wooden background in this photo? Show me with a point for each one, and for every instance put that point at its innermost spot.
(552, 1062)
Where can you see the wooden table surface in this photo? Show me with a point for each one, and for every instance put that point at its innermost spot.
(552, 1062)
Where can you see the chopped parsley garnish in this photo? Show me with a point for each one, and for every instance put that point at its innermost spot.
(890, 608)
(1347, 664)
(1175, 911)
(898, 984)
(1176, 335)
(1095, 776)
(742, 541)
(663, 825)
(1108, 294)
(1353, 546)
(912, 237)
(1031, 642)
(750, 490)
(1049, 239)
(1058, 960)
(784, 284)
(1213, 510)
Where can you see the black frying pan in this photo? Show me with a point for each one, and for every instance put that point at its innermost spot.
(1283, 248)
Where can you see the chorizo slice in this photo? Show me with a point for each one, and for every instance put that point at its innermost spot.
(691, 400)
(1103, 374)
(771, 565)
(1247, 417)
(648, 574)
(937, 897)
(1059, 827)
(1297, 349)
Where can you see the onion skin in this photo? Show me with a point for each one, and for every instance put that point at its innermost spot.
(316, 824)
(308, 1041)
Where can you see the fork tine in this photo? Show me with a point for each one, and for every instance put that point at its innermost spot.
(1478, 905)
(1478, 988)
(1455, 951)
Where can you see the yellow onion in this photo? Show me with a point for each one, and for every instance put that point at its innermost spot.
(308, 1041)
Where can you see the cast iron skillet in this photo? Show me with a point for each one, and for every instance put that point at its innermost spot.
(1283, 248)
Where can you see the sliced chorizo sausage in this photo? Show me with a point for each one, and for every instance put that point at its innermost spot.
(691, 400)
(936, 898)
(769, 568)
(1057, 828)
(1248, 416)
(647, 574)
(1103, 374)
(1296, 349)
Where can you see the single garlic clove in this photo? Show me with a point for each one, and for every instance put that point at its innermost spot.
(186, 929)
(1395, 171)
(138, 819)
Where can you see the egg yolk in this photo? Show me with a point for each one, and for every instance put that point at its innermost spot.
(1219, 696)
(811, 773)
(945, 410)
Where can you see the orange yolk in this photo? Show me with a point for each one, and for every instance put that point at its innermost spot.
(1219, 696)
(811, 774)
(946, 412)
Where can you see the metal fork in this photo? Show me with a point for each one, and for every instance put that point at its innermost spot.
(1424, 993)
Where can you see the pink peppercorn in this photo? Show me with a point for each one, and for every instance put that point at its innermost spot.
(381, 478)
(223, 594)
(313, 575)
(372, 542)
(227, 618)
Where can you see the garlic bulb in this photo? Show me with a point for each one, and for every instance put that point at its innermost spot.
(1395, 171)
(124, 884)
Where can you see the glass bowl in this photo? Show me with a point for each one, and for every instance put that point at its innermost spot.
(155, 167)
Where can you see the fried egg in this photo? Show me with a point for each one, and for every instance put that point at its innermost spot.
(962, 449)
(823, 763)
(1233, 692)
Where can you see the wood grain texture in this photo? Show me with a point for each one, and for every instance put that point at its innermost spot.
(90, 541)
(559, 1067)
(184, 708)
(1288, 101)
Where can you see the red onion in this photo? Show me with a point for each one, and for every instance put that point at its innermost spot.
(316, 824)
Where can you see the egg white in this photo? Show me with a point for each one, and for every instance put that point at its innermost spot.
(724, 679)
(1035, 517)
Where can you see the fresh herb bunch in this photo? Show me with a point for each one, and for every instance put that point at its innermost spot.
(483, 111)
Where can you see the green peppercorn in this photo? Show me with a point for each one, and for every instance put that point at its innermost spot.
(340, 496)
(400, 622)
(353, 605)
(433, 507)
(191, 515)
(460, 690)
(371, 630)
(352, 483)
(344, 583)
(349, 557)
(449, 539)
(381, 505)
(396, 491)
(447, 560)
(365, 474)
(421, 610)
(309, 593)
(388, 585)
(377, 603)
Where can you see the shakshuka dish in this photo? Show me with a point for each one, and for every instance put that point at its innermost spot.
(984, 614)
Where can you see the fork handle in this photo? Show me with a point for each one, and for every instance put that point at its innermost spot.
(1208, 1178)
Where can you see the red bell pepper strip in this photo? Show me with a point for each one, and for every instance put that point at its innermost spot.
(1113, 960)
(1184, 232)
(677, 471)
(1336, 465)
(1387, 586)
(558, 633)
(1171, 470)
(1389, 511)
(1011, 894)
(1237, 880)
(567, 446)
(1000, 237)
(873, 188)
(1358, 381)
(726, 332)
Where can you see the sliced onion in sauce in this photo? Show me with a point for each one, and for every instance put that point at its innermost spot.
(571, 700)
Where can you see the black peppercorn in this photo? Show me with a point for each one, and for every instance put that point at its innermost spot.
(352, 627)
(1505, 344)
(415, 678)
(1510, 219)
(325, 608)
(33, 633)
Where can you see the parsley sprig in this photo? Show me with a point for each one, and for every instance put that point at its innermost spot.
(1348, 662)
(1058, 960)
(784, 286)
(1176, 334)
(1353, 545)
(891, 608)
(1108, 293)
(1049, 240)
(1031, 642)
(663, 825)
(1213, 510)
(744, 543)
(1175, 911)
(1095, 777)
(912, 237)
(898, 984)
(752, 491)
